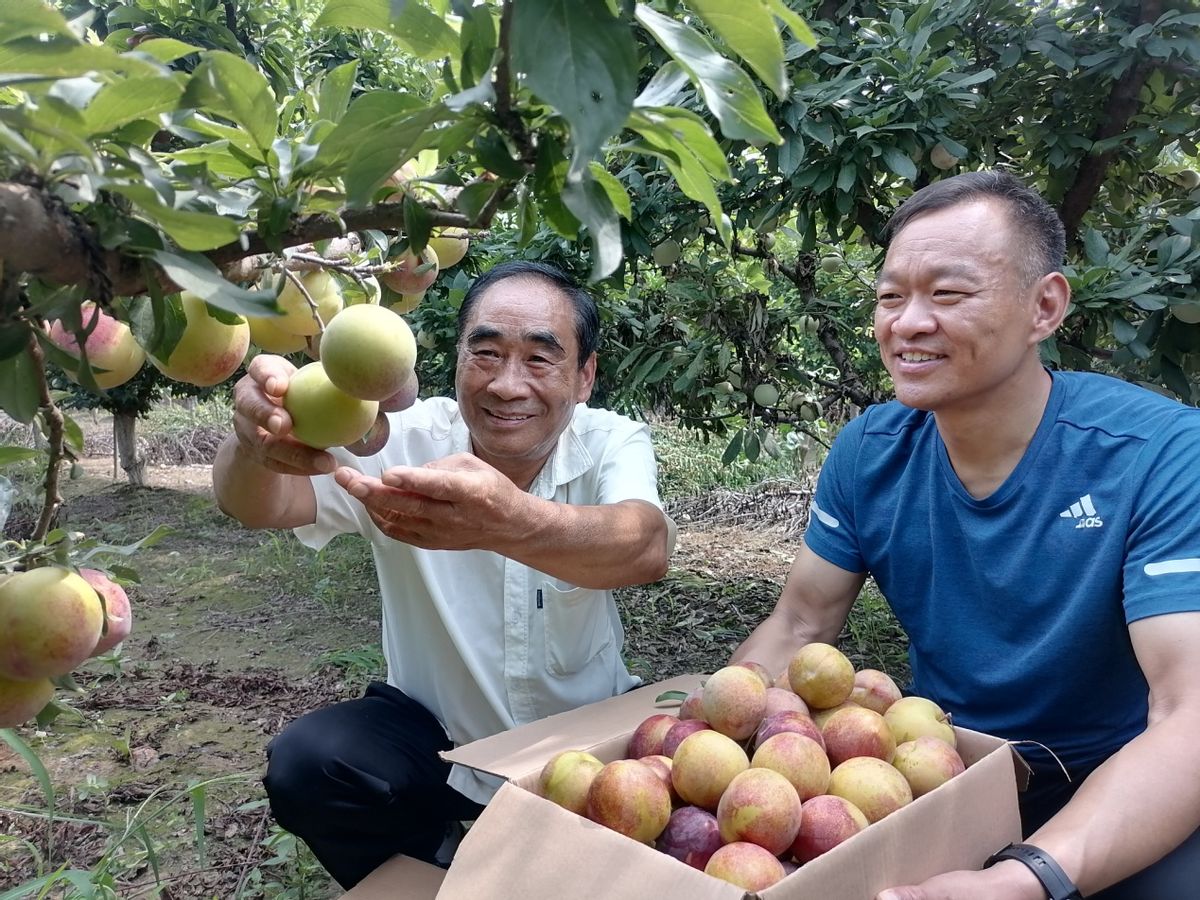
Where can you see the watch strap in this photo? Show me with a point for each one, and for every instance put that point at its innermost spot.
(1056, 882)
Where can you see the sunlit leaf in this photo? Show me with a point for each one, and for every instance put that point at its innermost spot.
(749, 29)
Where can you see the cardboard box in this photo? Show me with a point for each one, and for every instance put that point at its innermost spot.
(524, 846)
(400, 878)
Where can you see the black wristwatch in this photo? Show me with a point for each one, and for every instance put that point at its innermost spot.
(1058, 886)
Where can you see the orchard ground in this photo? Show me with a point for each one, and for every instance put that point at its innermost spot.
(237, 632)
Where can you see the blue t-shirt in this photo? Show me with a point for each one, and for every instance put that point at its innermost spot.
(1017, 605)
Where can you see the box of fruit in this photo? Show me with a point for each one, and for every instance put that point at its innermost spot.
(733, 786)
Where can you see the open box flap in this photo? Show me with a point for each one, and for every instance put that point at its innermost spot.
(511, 754)
(523, 847)
(972, 816)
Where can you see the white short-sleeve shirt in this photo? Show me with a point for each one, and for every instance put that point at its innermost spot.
(484, 642)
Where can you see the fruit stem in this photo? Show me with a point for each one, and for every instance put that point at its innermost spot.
(308, 298)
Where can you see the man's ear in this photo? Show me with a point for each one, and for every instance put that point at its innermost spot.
(1052, 297)
(587, 379)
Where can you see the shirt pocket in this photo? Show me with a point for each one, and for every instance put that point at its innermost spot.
(576, 624)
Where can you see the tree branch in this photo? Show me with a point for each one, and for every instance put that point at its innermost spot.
(53, 418)
(1120, 107)
(42, 240)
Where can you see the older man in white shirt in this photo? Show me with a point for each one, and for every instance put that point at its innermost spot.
(500, 522)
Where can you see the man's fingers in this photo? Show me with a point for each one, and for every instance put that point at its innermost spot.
(902, 893)
(436, 483)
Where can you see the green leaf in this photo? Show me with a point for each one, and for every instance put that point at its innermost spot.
(671, 695)
(582, 61)
(190, 230)
(733, 448)
(166, 50)
(687, 171)
(589, 203)
(727, 90)
(663, 87)
(27, 753)
(12, 454)
(549, 181)
(1095, 246)
(336, 85)
(617, 194)
(129, 100)
(195, 273)
(686, 131)
(19, 396)
(386, 147)
(61, 58)
(799, 28)
(366, 115)
(30, 18)
(899, 162)
(230, 86)
(417, 223)
(749, 29)
(421, 32)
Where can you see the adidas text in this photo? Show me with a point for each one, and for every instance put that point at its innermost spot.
(1090, 522)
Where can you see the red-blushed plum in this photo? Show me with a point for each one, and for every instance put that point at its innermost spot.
(567, 777)
(856, 731)
(821, 716)
(788, 721)
(110, 346)
(911, 717)
(647, 737)
(745, 865)
(704, 765)
(798, 758)
(662, 766)
(783, 700)
(821, 674)
(762, 807)
(927, 763)
(209, 350)
(874, 689)
(118, 617)
(692, 706)
(374, 440)
(758, 669)
(680, 730)
(50, 622)
(827, 821)
(403, 398)
(692, 836)
(734, 701)
(20, 701)
(875, 787)
(629, 797)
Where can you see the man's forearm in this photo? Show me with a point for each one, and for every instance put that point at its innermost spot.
(777, 638)
(1134, 809)
(255, 496)
(604, 547)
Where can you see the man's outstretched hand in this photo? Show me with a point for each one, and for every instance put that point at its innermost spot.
(456, 503)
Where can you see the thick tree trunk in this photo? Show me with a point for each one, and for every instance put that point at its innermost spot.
(125, 446)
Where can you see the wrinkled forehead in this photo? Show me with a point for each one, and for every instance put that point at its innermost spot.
(523, 306)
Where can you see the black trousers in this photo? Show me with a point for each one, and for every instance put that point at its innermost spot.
(361, 781)
(1174, 877)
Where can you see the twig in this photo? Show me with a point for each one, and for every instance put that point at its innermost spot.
(246, 869)
(312, 304)
(53, 418)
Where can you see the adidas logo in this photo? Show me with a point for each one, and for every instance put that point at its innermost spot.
(1084, 512)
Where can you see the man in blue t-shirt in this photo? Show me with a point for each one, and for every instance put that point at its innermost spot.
(1036, 535)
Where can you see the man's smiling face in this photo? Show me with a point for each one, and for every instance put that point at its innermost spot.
(518, 377)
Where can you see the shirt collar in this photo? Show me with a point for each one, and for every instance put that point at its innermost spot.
(568, 460)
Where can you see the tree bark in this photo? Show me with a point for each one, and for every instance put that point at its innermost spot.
(1121, 106)
(125, 446)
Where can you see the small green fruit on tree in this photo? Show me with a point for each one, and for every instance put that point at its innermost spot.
(766, 395)
(942, 158)
(1188, 313)
(368, 352)
(450, 246)
(667, 253)
(322, 415)
(831, 264)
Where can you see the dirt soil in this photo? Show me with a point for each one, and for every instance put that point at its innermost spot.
(222, 657)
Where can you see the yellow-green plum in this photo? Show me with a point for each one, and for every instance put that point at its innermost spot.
(20, 701)
(704, 764)
(322, 415)
(821, 674)
(110, 346)
(630, 798)
(875, 787)
(450, 245)
(746, 865)
(368, 352)
(798, 758)
(50, 621)
(911, 717)
(297, 315)
(209, 350)
(266, 334)
(735, 699)
(567, 777)
(927, 763)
